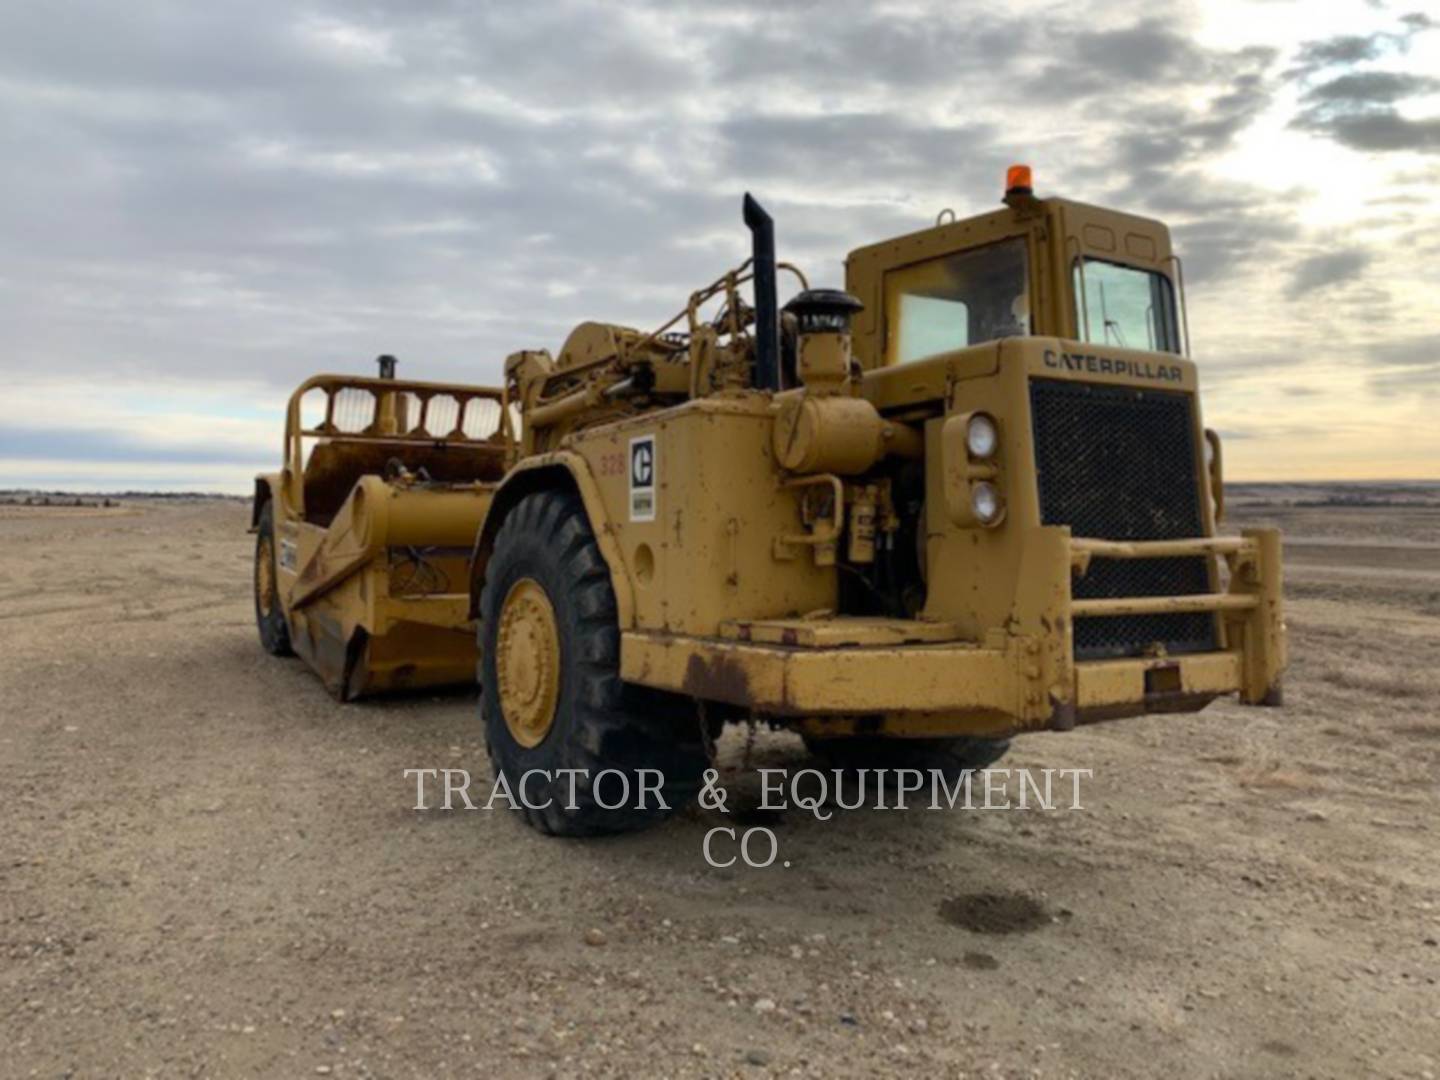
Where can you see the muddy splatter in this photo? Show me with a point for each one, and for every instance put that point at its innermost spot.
(995, 913)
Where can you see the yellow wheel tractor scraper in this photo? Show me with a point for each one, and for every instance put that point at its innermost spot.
(969, 496)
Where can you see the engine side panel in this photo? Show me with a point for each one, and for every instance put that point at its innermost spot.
(694, 500)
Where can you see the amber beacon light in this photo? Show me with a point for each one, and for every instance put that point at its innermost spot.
(1017, 180)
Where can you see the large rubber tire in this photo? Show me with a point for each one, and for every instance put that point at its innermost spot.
(269, 615)
(953, 757)
(599, 722)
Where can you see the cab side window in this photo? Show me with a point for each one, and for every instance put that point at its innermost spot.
(957, 300)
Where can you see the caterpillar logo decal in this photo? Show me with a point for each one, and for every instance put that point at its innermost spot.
(643, 470)
(1105, 365)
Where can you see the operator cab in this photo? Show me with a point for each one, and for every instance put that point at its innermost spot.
(1047, 267)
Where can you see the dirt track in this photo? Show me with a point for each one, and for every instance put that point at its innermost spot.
(209, 868)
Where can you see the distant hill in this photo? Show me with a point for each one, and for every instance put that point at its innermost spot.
(1356, 493)
(93, 499)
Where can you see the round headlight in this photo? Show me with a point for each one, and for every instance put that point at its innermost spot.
(982, 438)
(985, 503)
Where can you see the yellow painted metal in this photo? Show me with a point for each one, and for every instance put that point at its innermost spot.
(265, 576)
(1106, 684)
(527, 662)
(1159, 549)
(838, 632)
(1162, 605)
(1003, 591)
(1263, 632)
(828, 434)
(385, 484)
(378, 516)
(1215, 473)
(823, 362)
(440, 610)
(720, 504)
(735, 570)
(916, 690)
(796, 681)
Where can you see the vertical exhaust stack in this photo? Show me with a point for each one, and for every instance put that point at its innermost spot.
(390, 409)
(767, 307)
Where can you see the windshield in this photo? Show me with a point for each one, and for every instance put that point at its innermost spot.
(958, 300)
(1121, 305)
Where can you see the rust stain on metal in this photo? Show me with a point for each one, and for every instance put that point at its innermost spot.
(723, 678)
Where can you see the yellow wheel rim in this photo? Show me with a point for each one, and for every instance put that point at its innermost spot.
(527, 662)
(265, 576)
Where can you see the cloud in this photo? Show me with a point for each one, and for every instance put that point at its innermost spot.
(257, 196)
(859, 46)
(220, 202)
(1366, 88)
(1423, 381)
(1358, 109)
(1379, 129)
(1418, 351)
(1096, 61)
(782, 146)
(1344, 49)
(1325, 270)
(1347, 50)
(1407, 366)
(52, 444)
(1163, 149)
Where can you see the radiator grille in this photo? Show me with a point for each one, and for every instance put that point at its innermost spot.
(1118, 463)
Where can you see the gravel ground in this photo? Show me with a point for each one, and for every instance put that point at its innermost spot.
(210, 868)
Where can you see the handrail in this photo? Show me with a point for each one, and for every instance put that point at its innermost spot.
(1163, 605)
(1184, 300)
(1084, 549)
(1084, 320)
(295, 433)
(726, 282)
(1160, 549)
(370, 382)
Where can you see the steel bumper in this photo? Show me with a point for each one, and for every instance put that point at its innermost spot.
(1009, 681)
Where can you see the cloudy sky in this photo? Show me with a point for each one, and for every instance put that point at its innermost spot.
(202, 203)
